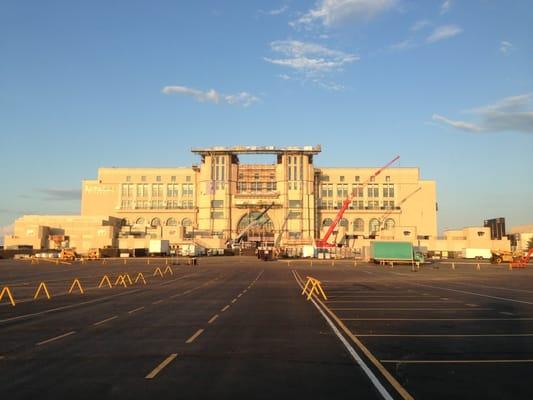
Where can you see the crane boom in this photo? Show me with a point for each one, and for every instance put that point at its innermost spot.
(346, 203)
(389, 212)
(256, 221)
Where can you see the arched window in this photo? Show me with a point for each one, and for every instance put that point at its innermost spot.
(186, 222)
(373, 225)
(140, 221)
(389, 224)
(155, 222)
(125, 222)
(264, 224)
(358, 225)
(344, 223)
(172, 222)
(327, 222)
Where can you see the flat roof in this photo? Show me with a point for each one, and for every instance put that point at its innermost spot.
(256, 150)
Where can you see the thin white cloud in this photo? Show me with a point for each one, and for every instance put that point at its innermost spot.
(445, 7)
(242, 98)
(443, 32)
(403, 45)
(333, 12)
(285, 77)
(419, 25)
(505, 47)
(309, 58)
(510, 114)
(277, 11)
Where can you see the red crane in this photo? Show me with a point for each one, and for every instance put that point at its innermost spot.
(346, 203)
(389, 212)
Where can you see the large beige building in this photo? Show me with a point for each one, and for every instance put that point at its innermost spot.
(213, 202)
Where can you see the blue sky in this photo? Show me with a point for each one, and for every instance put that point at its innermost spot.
(448, 85)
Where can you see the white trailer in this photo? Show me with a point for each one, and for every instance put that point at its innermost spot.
(478, 254)
(159, 247)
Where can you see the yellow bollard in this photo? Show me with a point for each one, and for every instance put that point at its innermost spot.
(6, 290)
(478, 268)
(76, 282)
(42, 285)
(453, 265)
(105, 278)
(147, 261)
(354, 263)
(124, 261)
(510, 267)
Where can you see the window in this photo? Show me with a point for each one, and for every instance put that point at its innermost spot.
(388, 204)
(186, 189)
(389, 224)
(373, 225)
(217, 214)
(357, 178)
(172, 190)
(342, 190)
(128, 178)
(125, 204)
(158, 178)
(388, 190)
(372, 178)
(324, 178)
(327, 222)
(373, 191)
(186, 222)
(357, 190)
(358, 225)
(481, 233)
(327, 190)
(295, 204)
(341, 178)
(294, 215)
(157, 190)
(173, 178)
(217, 203)
(387, 178)
(358, 204)
(373, 205)
(172, 222)
(295, 235)
(143, 178)
(344, 223)
(140, 221)
(155, 222)
(187, 178)
(142, 190)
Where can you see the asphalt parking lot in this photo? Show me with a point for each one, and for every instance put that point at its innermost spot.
(239, 327)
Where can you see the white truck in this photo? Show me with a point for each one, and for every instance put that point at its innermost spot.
(159, 247)
(478, 254)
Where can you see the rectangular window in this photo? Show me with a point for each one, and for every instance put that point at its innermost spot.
(341, 178)
(158, 178)
(373, 205)
(294, 215)
(388, 190)
(173, 178)
(357, 190)
(128, 178)
(295, 204)
(373, 191)
(342, 190)
(217, 214)
(295, 235)
(387, 178)
(187, 178)
(357, 178)
(217, 203)
(143, 178)
(324, 178)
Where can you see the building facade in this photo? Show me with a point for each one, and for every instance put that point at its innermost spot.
(216, 199)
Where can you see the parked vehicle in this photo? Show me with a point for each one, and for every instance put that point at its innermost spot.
(68, 255)
(478, 254)
(396, 252)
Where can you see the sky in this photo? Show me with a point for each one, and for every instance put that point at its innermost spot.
(446, 84)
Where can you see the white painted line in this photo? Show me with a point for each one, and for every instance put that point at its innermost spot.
(55, 338)
(444, 298)
(375, 381)
(233, 301)
(213, 318)
(157, 302)
(471, 305)
(240, 295)
(105, 320)
(436, 319)
(225, 308)
(193, 337)
(408, 309)
(458, 335)
(505, 312)
(135, 310)
(457, 361)
(389, 301)
(158, 369)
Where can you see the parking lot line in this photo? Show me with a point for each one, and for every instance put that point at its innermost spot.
(225, 308)
(135, 310)
(55, 338)
(436, 335)
(105, 320)
(213, 318)
(504, 361)
(408, 309)
(395, 302)
(158, 369)
(437, 319)
(193, 337)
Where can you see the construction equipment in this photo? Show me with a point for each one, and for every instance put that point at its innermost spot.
(257, 221)
(499, 256)
(389, 212)
(323, 243)
(93, 254)
(522, 261)
(67, 255)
